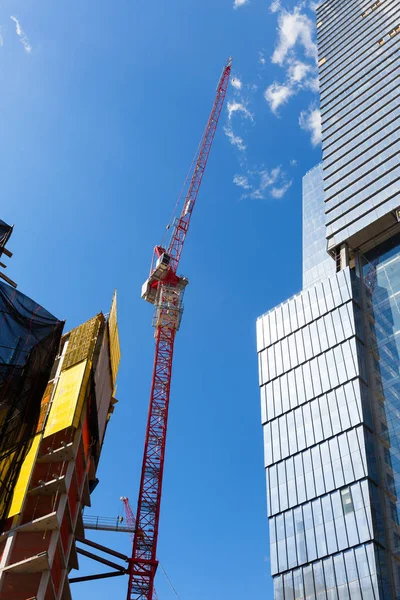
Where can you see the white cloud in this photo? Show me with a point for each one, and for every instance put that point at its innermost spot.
(275, 6)
(296, 52)
(267, 178)
(312, 84)
(242, 181)
(272, 183)
(237, 84)
(294, 28)
(238, 3)
(313, 5)
(299, 76)
(239, 107)
(22, 37)
(261, 58)
(277, 94)
(310, 120)
(298, 70)
(235, 140)
(293, 162)
(279, 192)
(263, 183)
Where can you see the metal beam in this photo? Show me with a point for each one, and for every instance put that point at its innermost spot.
(97, 576)
(101, 560)
(8, 280)
(103, 548)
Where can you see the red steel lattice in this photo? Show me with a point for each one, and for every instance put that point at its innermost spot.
(182, 224)
(143, 564)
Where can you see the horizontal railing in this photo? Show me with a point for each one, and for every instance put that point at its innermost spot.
(107, 524)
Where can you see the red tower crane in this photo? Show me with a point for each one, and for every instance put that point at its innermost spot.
(164, 288)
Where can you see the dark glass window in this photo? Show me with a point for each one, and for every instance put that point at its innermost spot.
(388, 458)
(394, 513)
(390, 483)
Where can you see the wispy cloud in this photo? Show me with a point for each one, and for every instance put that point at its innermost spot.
(241, 108)
(296, 52)
(277, 94)
(310, 120)
(279, 192)
(275, 6)
(238, 3)
(294, 28)
(236, 83)
(235, 140)
(22, 36)
(242, 181)
(263, 183)
(299, 76)
(238, 111)
(255, 182)
(298, 70)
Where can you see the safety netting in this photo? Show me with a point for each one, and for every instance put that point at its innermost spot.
(29, 341)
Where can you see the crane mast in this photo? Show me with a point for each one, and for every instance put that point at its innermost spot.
(131, 522)
(164, 289)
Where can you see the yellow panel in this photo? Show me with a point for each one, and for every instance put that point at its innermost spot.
(115, 351)
(24, 477)
(6, 465)
(82, 341)
(68, 398)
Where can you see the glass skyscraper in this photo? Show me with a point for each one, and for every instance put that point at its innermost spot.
(329, 363)
(317, 264)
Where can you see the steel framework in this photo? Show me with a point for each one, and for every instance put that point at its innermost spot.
(167, 300)
(131, 521)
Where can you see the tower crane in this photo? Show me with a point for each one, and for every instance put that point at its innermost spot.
(164, 288)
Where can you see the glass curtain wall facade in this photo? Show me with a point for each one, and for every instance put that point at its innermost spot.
(381, 277)
(329, 356)
(324, 510)
(359, 62)
(317, 264)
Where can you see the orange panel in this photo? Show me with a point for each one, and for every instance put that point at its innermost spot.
(86, 437)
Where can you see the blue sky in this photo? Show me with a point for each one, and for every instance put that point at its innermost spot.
(102, 108)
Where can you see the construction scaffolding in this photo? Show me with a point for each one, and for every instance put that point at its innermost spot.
(29, 340)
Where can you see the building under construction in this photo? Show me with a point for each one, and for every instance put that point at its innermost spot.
(56, 398)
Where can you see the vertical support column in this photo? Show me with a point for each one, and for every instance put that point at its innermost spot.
(342, 257)
(7, 550)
